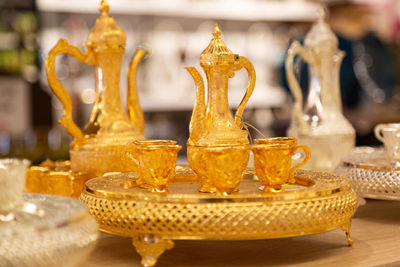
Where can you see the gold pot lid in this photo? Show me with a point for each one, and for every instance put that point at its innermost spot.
(321, 34)
(216, 52)
(106, 33)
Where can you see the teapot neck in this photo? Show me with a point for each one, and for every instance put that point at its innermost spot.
(217, 97)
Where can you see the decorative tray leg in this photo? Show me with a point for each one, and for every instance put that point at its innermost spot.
(150, 247)
(346, 227)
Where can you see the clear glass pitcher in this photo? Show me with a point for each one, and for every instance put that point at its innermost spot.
(320, 123)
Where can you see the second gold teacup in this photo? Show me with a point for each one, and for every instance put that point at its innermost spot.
(155, 162)
(272, 162)
(292, 142)
(225, 166)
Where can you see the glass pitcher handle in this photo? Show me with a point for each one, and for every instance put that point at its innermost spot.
(307, 155)
(245, 63)
(296, 49)
(63, 47)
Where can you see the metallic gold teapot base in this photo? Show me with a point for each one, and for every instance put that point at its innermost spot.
(100, 160)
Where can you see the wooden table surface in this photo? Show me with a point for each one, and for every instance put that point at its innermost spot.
(375, 231)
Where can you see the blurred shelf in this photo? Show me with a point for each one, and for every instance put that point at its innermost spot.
(274, 10)
(157, 102)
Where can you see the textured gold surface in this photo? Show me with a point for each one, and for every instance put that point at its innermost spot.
(272, 163)
(55, 178)
(97, 148)
(371, 173)
(212, 124)
(155, 162)
(123, 209)
(292, 142)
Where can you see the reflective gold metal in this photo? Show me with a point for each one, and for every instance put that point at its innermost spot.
(272, 163)
(292, 142)
(55, 178)
(318, 202)
(212, 124)
(225, 166)
(97, 148)
(320, 124)
(372, 173)
(155, 162)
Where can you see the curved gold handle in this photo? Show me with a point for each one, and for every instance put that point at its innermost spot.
(135, 111)
(307, 155)
(63, 47)
(296, 49)
(245, 63)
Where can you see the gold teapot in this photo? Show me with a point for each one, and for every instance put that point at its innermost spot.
(97, 148)
(212, 126)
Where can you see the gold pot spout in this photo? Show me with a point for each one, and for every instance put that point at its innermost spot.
(135, 111)
(199, 110)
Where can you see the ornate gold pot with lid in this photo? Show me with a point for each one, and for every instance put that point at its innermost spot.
(320, 123)
(97, 148)
(212, 124)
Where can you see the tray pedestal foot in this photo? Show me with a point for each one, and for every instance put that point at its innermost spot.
(150, 247)
(346, 227)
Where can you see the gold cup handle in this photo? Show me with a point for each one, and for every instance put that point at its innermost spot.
(296, 49)
(245, 63)
(307, 155)
(63, 47)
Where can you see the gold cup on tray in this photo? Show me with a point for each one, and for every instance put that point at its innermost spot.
(224, 166)
(155, 162)
(292, 142)
(272, 162)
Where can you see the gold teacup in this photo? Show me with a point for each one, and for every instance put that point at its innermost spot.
(272, 162)
(224, 166)
(155, 162)
(198, 161)
(292, 142)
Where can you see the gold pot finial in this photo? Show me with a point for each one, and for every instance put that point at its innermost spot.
(104, 6)
(216, 31)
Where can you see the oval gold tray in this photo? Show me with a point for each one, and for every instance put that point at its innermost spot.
(318, 202)
(371, 174)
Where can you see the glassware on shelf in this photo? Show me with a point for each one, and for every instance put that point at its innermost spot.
(272, 163)
(212, 124)
(12, 183)
(389, 135)
(292, 142)
(155, 163)
(98, 147)
(320, 124)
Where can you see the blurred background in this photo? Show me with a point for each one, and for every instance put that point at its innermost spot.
(176, 32)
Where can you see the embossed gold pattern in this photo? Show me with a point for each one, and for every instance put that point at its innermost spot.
(325, 204)
(292, 142)
(272, 163)
(155, 162)
(55, 178)
(97, 148)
